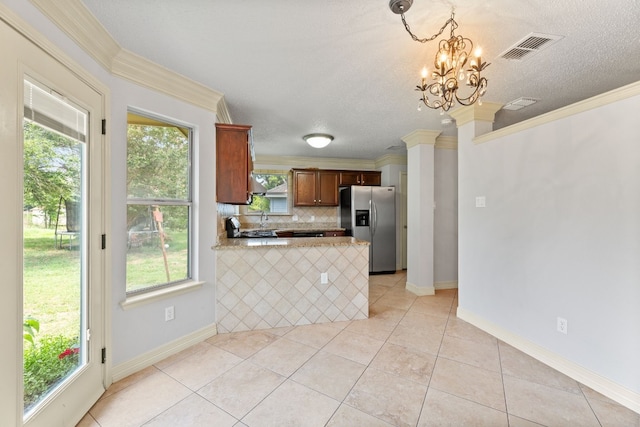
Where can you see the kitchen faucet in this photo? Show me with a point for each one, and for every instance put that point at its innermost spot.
(263, 222)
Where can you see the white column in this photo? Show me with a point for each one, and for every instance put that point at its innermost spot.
(420, 210)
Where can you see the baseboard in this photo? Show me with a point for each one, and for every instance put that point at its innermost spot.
(145, 360)
(446, 285)
(602, 385)
(420, 290)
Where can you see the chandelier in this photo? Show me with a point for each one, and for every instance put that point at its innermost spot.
(456, 73)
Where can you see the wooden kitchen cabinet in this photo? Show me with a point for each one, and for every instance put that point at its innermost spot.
(334, 233)
(234, 164)
(360, 178)
(314, 187)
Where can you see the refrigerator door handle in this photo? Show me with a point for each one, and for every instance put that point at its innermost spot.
(374, 218)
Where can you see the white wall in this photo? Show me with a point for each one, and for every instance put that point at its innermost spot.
(141, 329)
(391, 178)
(445, 221)
(560, 236)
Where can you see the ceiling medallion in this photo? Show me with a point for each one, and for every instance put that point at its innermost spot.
(449, 74)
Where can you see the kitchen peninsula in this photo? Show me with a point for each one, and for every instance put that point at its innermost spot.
(277, 282)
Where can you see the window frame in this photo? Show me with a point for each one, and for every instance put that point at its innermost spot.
(246, 210)
(188, 202)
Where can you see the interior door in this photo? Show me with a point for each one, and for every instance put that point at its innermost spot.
(57, 125)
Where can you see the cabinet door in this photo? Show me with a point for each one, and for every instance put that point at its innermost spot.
(233, 164)
(371, 178)
(333, 233)
(304, 188)
(327, 188)
(349, 178)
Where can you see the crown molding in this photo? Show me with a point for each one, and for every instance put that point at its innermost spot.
(615, 95)
(313, 162)
(447, 142)
(139, 70)
(390, 159)
(75, 20)
(421, 136)
(483, 113)
(222, 112)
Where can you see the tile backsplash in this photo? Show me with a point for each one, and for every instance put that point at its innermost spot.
(307, 218)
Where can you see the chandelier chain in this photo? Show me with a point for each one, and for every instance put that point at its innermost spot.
(451, 21)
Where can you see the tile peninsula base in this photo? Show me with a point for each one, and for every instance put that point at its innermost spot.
(280, 285)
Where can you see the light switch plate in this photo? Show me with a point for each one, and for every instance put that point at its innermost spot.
(481, 202)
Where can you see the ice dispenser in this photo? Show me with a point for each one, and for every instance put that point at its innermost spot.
(362, 218)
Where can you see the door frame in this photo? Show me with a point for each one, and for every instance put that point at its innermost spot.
(10, 227)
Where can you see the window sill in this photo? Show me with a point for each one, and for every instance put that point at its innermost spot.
(149, 297)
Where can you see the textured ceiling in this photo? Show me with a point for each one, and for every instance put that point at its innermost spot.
(348, 68)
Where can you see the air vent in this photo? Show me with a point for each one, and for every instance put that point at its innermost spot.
(520, 103)
(396, 147)
(529, 45)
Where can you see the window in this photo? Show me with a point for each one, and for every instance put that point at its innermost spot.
(275, 191)
(159, 204)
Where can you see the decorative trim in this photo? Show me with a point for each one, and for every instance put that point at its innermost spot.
(147, 359)
(615, 95)
(143, 72)
(313, 162)
(391, 159)
(77, 21)
(420, 290)
(222, 112)
(446, 285)
(603, 385)
(421, 136)
(484, 113)
(447, 142)
(162, 293)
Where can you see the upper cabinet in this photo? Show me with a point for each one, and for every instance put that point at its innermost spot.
(234, 164)
(360, 178)
(314, 187)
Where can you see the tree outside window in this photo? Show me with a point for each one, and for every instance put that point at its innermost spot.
(158, 203)
(275, 198)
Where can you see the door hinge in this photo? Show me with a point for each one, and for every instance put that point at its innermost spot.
(104, 354)
(104, 241)
(104, 126)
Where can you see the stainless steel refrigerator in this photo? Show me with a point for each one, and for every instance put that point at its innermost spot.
(369, 213)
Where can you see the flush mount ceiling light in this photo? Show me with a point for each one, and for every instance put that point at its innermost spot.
(449, 66)
(318, 140)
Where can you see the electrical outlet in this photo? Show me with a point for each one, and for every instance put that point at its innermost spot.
(168, 313)
(562, 325)
(324, 278)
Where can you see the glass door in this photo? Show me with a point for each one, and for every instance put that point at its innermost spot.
(62, 257)
(56, 333)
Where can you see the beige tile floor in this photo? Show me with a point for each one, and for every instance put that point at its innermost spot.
(412, 363)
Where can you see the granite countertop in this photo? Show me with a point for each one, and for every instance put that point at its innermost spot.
(284, 242)
(299, 229)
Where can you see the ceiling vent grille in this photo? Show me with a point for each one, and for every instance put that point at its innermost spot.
(529, 45)
(518, 104)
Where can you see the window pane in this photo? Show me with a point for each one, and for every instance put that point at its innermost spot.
(158, 242)
(157, 162)
(275, 196)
